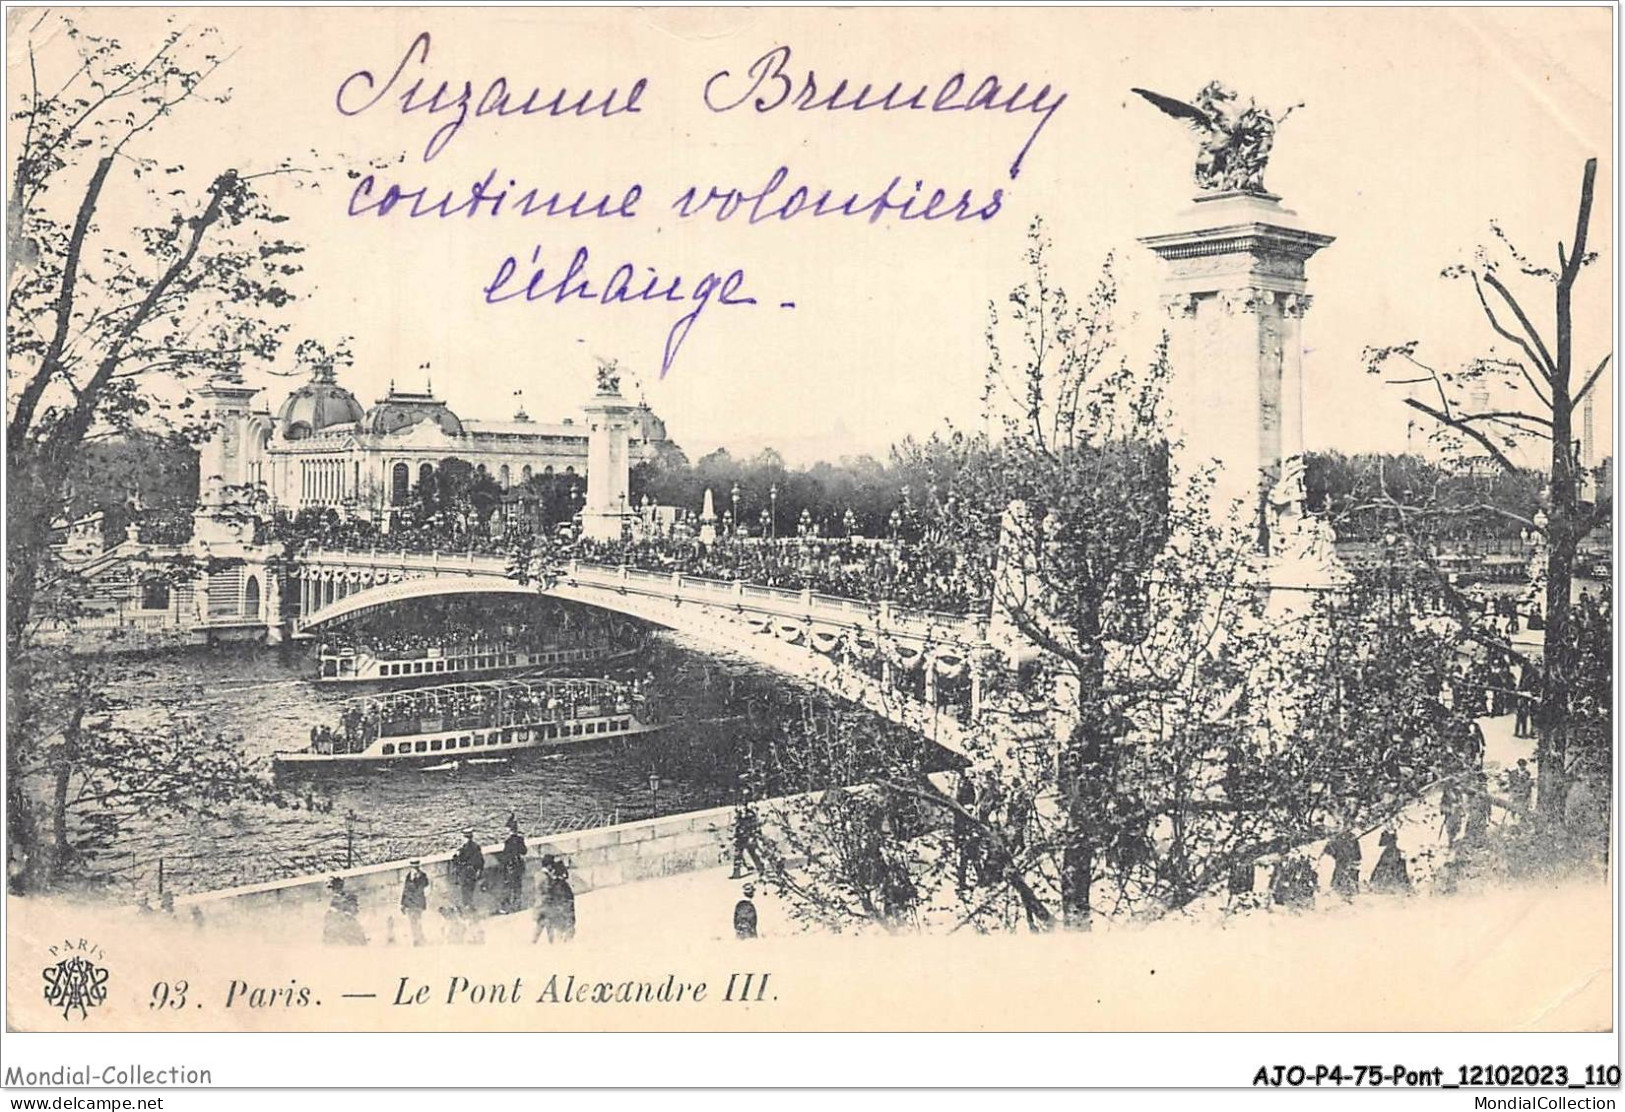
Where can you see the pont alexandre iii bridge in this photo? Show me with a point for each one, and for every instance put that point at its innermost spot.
(816, 637)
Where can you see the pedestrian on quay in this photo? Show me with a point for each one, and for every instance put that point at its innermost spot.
(1528, 697)
(1293, 883)
(1242, 880)
(1520, 788)
(746, 830)
(340, 926)
(1344, 850)
(544, 897)
(1391, 874)
(415, 899)
(1477, 821)
(556, 907)
(466, 868)
(745, 914)
(1451, 808)
(512, 860)
(1470, 742)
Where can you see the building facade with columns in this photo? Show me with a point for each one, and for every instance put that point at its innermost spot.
(321, 447)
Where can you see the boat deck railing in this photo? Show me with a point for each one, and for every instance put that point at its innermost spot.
(459, 649)
(474, 705)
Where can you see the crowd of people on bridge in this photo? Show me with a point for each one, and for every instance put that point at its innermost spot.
(916, 576)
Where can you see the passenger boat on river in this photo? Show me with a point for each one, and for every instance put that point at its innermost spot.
(350, 664)
(486, 723)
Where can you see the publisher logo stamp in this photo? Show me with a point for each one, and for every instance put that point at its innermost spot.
(75, 982)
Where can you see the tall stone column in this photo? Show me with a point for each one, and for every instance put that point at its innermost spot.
(609, 428)
(1236, 295)
(228, 401)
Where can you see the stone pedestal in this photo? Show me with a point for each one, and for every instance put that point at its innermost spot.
(1235, 296)
(608, 466)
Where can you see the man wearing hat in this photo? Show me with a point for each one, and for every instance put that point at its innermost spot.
(556, 907)
(466, 868)
(745, 914)
(512, 859)
(341, 926)
(414, 899)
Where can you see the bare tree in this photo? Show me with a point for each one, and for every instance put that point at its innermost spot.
(1540, 370)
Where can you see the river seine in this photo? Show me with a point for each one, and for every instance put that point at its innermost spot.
(719, 711)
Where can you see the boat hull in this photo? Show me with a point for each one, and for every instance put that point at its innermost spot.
(469, 749)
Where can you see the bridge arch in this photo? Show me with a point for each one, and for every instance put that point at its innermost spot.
(730, 616)
(334, 609)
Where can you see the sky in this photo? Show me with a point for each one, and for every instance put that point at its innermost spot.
(1417, 128)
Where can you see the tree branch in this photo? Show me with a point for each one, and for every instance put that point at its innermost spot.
(1548, 365)
(1591, 379)
(64, 440)
(50, 363)
(1582, 224)
(1447, 420)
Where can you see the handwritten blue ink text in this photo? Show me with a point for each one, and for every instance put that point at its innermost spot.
(767, 86)
(625, 285)
(360, 91)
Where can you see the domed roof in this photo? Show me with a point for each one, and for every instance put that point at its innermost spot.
(318, 404)
(401, 409)
(648, 425)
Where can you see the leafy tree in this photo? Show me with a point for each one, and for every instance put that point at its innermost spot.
(456, 500)
(95, 768)
(1450, 503)
(1155, 728)
(96, 315)
(100, 317)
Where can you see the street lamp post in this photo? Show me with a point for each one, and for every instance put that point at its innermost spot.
(773, 500)
(735, 517)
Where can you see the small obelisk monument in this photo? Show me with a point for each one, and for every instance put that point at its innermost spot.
(1236, 296)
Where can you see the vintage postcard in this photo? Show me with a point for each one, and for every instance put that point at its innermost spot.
(789, 520)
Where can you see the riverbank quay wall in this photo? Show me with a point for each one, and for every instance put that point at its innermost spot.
(605, 857)
(600, 858)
